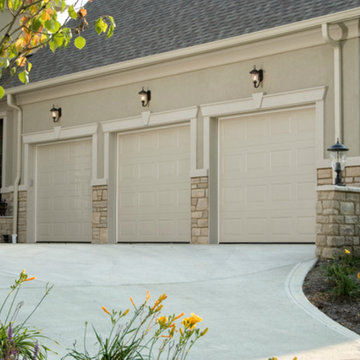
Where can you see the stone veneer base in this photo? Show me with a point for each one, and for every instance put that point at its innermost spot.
(100, 214)
(199, 210)
(337, 221)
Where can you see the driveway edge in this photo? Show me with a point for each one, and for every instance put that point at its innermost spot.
(293, 288)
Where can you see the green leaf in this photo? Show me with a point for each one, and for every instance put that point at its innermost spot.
(72, 13)
(2, 92)
(35, 24)
(80, 42)
(52, 25)
(29, 64)
(59, 39)
(63, 5)
(100, 26)
(16, 4)
(24, 77)
(52, 46)
(13, 70)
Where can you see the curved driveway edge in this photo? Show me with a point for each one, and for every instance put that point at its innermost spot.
(293, 286)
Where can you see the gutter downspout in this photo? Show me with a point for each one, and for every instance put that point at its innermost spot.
(11, 103)
(338, 75)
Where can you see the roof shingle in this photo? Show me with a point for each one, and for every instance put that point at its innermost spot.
(148, 27)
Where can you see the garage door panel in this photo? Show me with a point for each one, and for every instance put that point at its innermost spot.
(64, 208)
(267, 191)
(154, 201)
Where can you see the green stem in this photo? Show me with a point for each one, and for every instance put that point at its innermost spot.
(38, 304)
(12, 303)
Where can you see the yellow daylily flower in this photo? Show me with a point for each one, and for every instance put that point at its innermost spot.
(162, 320)
(191, 321)
(346, 251)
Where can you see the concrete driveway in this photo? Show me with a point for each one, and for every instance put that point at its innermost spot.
(249, 295)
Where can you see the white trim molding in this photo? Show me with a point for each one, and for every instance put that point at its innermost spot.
(278, 100)
(148, 119)
(60, 133)
(262, 102)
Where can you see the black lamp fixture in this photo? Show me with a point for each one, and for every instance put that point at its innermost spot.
(55, 113)
(145, 97)
(338, 160)
(257, 76)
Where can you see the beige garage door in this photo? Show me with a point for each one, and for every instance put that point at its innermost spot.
(268, 177)
(64, 192)
(154, 186)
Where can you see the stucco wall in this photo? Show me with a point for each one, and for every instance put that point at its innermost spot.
(283, 71)
(299, 69)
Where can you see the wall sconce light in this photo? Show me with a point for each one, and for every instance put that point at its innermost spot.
(55, 113)
(145, 97)
(257, 76)
(338, 160)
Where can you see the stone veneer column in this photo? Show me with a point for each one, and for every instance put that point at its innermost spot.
(337, 221)
(100, 214)
(9, 198)
(350, 176)
(6, 224)
(199, 210)
(22, 213)
(22, 217)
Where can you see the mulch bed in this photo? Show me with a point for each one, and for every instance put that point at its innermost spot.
(318, 290)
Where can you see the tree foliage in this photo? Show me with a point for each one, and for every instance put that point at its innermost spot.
(33, 24)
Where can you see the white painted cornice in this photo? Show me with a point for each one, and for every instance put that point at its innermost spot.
(301, 34)
(262, 101)
(151, 119)
(60, 133)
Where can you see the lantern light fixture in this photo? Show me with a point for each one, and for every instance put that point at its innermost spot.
(145, 97)
(257, 76)
(338, 160)
(55, 113)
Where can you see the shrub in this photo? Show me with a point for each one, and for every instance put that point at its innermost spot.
(341, 274)
(18, 341)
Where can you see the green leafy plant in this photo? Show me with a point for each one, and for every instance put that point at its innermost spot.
(35, 24)
(146, 335)
(17, 340)
(341, 274)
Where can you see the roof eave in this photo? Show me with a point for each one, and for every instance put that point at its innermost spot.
(189, 51)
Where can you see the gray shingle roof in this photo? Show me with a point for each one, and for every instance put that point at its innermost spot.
(148, 27)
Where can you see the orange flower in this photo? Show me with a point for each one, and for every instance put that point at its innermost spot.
(358, 275)
(126, 312)
(30, 279)
(159, 308)
(106, 310)
(132, 301)
(147, 296)
(158, 301)
(179, 316)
